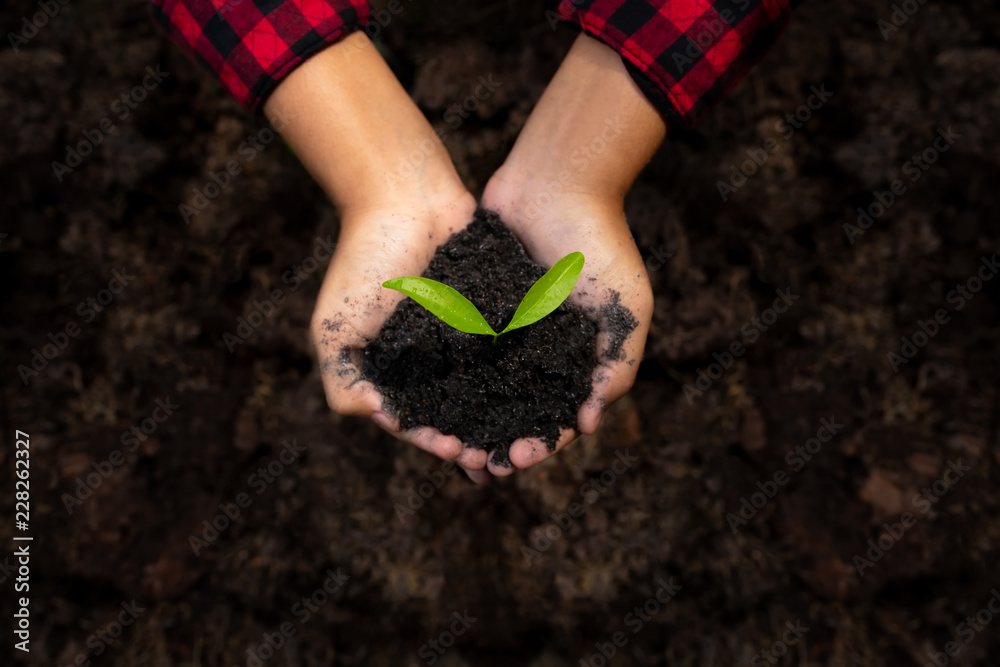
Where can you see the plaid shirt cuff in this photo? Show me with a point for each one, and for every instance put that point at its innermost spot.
(251, 44)
(685, 55)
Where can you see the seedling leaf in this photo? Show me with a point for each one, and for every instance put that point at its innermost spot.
(551, 290)
(444, 302)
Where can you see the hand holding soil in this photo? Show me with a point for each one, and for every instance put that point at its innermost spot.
(562, 189)
(396, 211)
(359, 134)
(353, 306)
(613, 291)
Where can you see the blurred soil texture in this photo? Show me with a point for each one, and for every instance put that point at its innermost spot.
(345, 501)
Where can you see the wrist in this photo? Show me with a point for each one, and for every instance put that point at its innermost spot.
(531, 205)
(414, 185)
(547, 188)
(358, 133)
(592, 131)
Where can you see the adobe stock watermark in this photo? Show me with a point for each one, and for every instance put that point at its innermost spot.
(710, 29)
(580, 159)
(797, 458)
(751, 331)
(264, 308)
(758, 157)
(258, 481)
(901, 13)
(88, 310)
(416, 158)
(779, 649)
(248, 150)
(420, 494)
(926, 329)
(967, 631)
(381, 20)
(555, 18)
(121, 107)
(545, 536)
(635, 620)
(456, 114)
(656, 258)
(302, 610)
(101, 640)
(130, 439)
(914, 168)
(432, 650)
(29, 29)
(924, 502)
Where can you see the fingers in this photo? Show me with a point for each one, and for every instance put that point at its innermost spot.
(499, 470)
(618, 355)
(360, 399)
(352, 306)
(590, 415)
(524, 452)
(339, 345)
(432, 441)
(427, 438)
(527, 452)
(478, 476)
(472, 459)
(610, 382)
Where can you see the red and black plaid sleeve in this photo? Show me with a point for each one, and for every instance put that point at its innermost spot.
(251, 44)
(685, 55)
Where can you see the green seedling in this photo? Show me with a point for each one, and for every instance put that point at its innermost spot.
(448, 305)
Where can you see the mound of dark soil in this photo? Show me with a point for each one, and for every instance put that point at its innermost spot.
(530, 383)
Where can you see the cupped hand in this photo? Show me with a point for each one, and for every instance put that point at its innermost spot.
(562, 189)
(377, 244)
(551, 224)
(354, 128)
(363, 139)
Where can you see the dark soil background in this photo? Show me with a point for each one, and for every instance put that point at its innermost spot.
(528, 383)
(338, 505)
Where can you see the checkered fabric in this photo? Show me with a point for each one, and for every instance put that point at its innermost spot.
(685, 55)
(251, 44)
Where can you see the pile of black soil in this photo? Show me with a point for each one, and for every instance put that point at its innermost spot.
(530, 383)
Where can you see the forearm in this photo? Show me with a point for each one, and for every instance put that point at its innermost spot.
(592, 131)
(357, 131)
